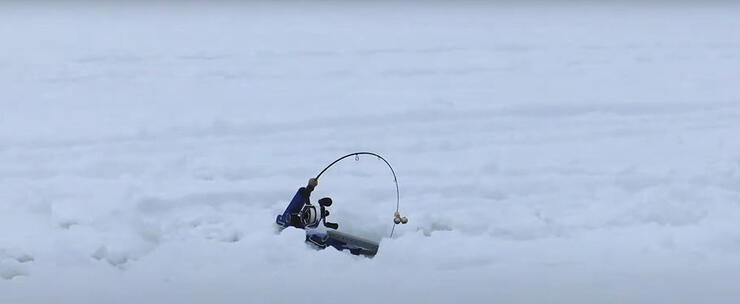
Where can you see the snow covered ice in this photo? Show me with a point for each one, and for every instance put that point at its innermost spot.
(546, 153)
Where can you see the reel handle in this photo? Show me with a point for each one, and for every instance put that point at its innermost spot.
(323, 204)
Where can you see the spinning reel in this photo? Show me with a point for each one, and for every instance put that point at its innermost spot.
(300, 213)
(308, 217)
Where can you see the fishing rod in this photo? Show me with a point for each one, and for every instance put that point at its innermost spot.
(301, 214)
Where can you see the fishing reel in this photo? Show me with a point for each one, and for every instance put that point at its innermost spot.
(300, 213)
(308, 217)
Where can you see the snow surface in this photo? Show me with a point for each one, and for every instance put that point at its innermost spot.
(546, 153)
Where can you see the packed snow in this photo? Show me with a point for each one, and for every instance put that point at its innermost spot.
(546, 153)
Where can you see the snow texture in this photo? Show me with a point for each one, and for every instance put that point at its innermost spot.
(567, 152)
